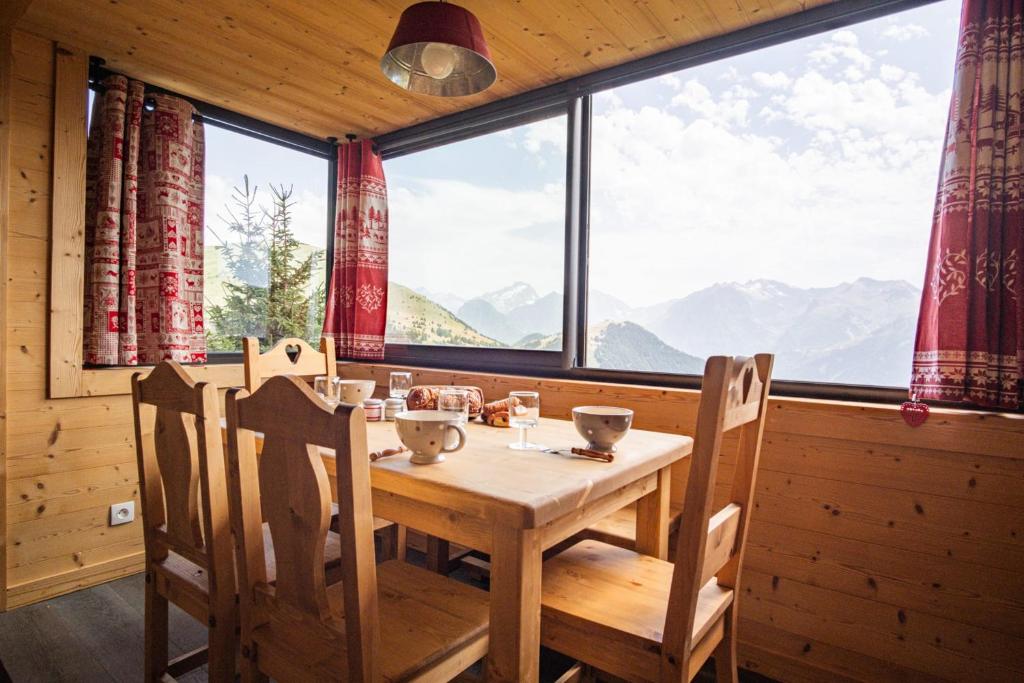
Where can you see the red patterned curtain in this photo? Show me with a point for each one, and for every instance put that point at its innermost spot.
(357, 302)
(143, 229)
(970, 335)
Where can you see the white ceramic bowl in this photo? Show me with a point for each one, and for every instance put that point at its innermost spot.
(355, 391)
(602, 426)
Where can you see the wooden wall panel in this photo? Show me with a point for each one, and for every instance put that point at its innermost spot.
(876, 551)
(68, 460)
(6, 97)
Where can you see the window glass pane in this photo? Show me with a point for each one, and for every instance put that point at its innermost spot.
(780, 201)
(476, 237)
(265, 241)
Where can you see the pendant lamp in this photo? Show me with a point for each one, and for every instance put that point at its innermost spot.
(439, 49)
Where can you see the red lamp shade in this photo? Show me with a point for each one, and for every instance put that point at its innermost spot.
(439, 49)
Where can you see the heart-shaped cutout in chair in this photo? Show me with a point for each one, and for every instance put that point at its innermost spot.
(293, 351)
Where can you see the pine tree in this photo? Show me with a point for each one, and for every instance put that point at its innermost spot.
(289, 298)
(268, 292)
(246, 256)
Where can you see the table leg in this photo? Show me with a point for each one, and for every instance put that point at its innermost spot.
(652, 518)
(438, 552)
(515, 605)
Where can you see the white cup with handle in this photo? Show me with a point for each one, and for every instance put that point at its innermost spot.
(427, 432)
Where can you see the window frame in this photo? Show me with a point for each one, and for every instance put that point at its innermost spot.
(573, 98)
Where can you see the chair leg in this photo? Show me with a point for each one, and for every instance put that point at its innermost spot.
(725, 652)
(250, 672)
(223, 645)
(156, 631)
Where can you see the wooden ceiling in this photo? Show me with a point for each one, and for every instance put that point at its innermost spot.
(313, 65)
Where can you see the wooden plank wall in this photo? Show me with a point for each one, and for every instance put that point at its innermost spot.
(68, 460)
(876, 551)
(6, 74)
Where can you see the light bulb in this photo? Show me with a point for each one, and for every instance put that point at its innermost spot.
(438, 60)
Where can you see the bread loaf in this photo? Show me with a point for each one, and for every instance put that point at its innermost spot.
(496, 413)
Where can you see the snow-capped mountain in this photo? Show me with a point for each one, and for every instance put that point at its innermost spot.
(857, 332)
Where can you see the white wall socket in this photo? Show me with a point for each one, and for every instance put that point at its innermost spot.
(122, 513)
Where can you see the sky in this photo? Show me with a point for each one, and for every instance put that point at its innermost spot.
(814, 162)
(230, 156)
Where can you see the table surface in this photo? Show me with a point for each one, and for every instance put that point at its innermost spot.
(525, 489)
(532, 487)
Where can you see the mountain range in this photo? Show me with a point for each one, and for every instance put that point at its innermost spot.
(858, 332)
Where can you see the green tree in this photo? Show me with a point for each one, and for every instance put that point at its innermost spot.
(289, 299)
(268, 290)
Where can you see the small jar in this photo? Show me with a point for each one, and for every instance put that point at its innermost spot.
(392, 407)
(374, 408)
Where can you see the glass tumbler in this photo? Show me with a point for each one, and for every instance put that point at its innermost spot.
(401, 383)
(325, 389)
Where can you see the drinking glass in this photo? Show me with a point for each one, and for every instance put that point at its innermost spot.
(401, 383)
(456, 401)
(325, 388)
(523, 414)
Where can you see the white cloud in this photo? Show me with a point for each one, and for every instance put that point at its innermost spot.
(608, 98)
(888, 72)
(873, 105)
(904, 32)
(852, 73)
(841, 46)
(547, 132)
(462, 237)
(699, 200)
(730, 110)
(772, 81)
(671, 80)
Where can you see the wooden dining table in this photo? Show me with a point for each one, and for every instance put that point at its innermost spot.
(516, 504)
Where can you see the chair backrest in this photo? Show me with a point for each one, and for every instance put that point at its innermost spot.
(288, 487)
(734, 395)
(290, 356)
(181, 470)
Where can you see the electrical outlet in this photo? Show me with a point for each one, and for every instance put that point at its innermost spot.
(122, 513)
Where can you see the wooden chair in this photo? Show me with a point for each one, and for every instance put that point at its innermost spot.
(189, 558)
(619, 528)
(644, 619)
(307, 362)
(389, 622)
(185, 520)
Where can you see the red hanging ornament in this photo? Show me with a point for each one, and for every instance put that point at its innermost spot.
(914, 412)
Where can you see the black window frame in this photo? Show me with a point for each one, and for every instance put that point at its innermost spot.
(573, 99)
(248, 126)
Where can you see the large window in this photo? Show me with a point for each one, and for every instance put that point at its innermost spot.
(477, 232)
(779, 200)
(776, 200)
(265, 241)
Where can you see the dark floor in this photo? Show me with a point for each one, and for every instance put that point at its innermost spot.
(96, 635)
